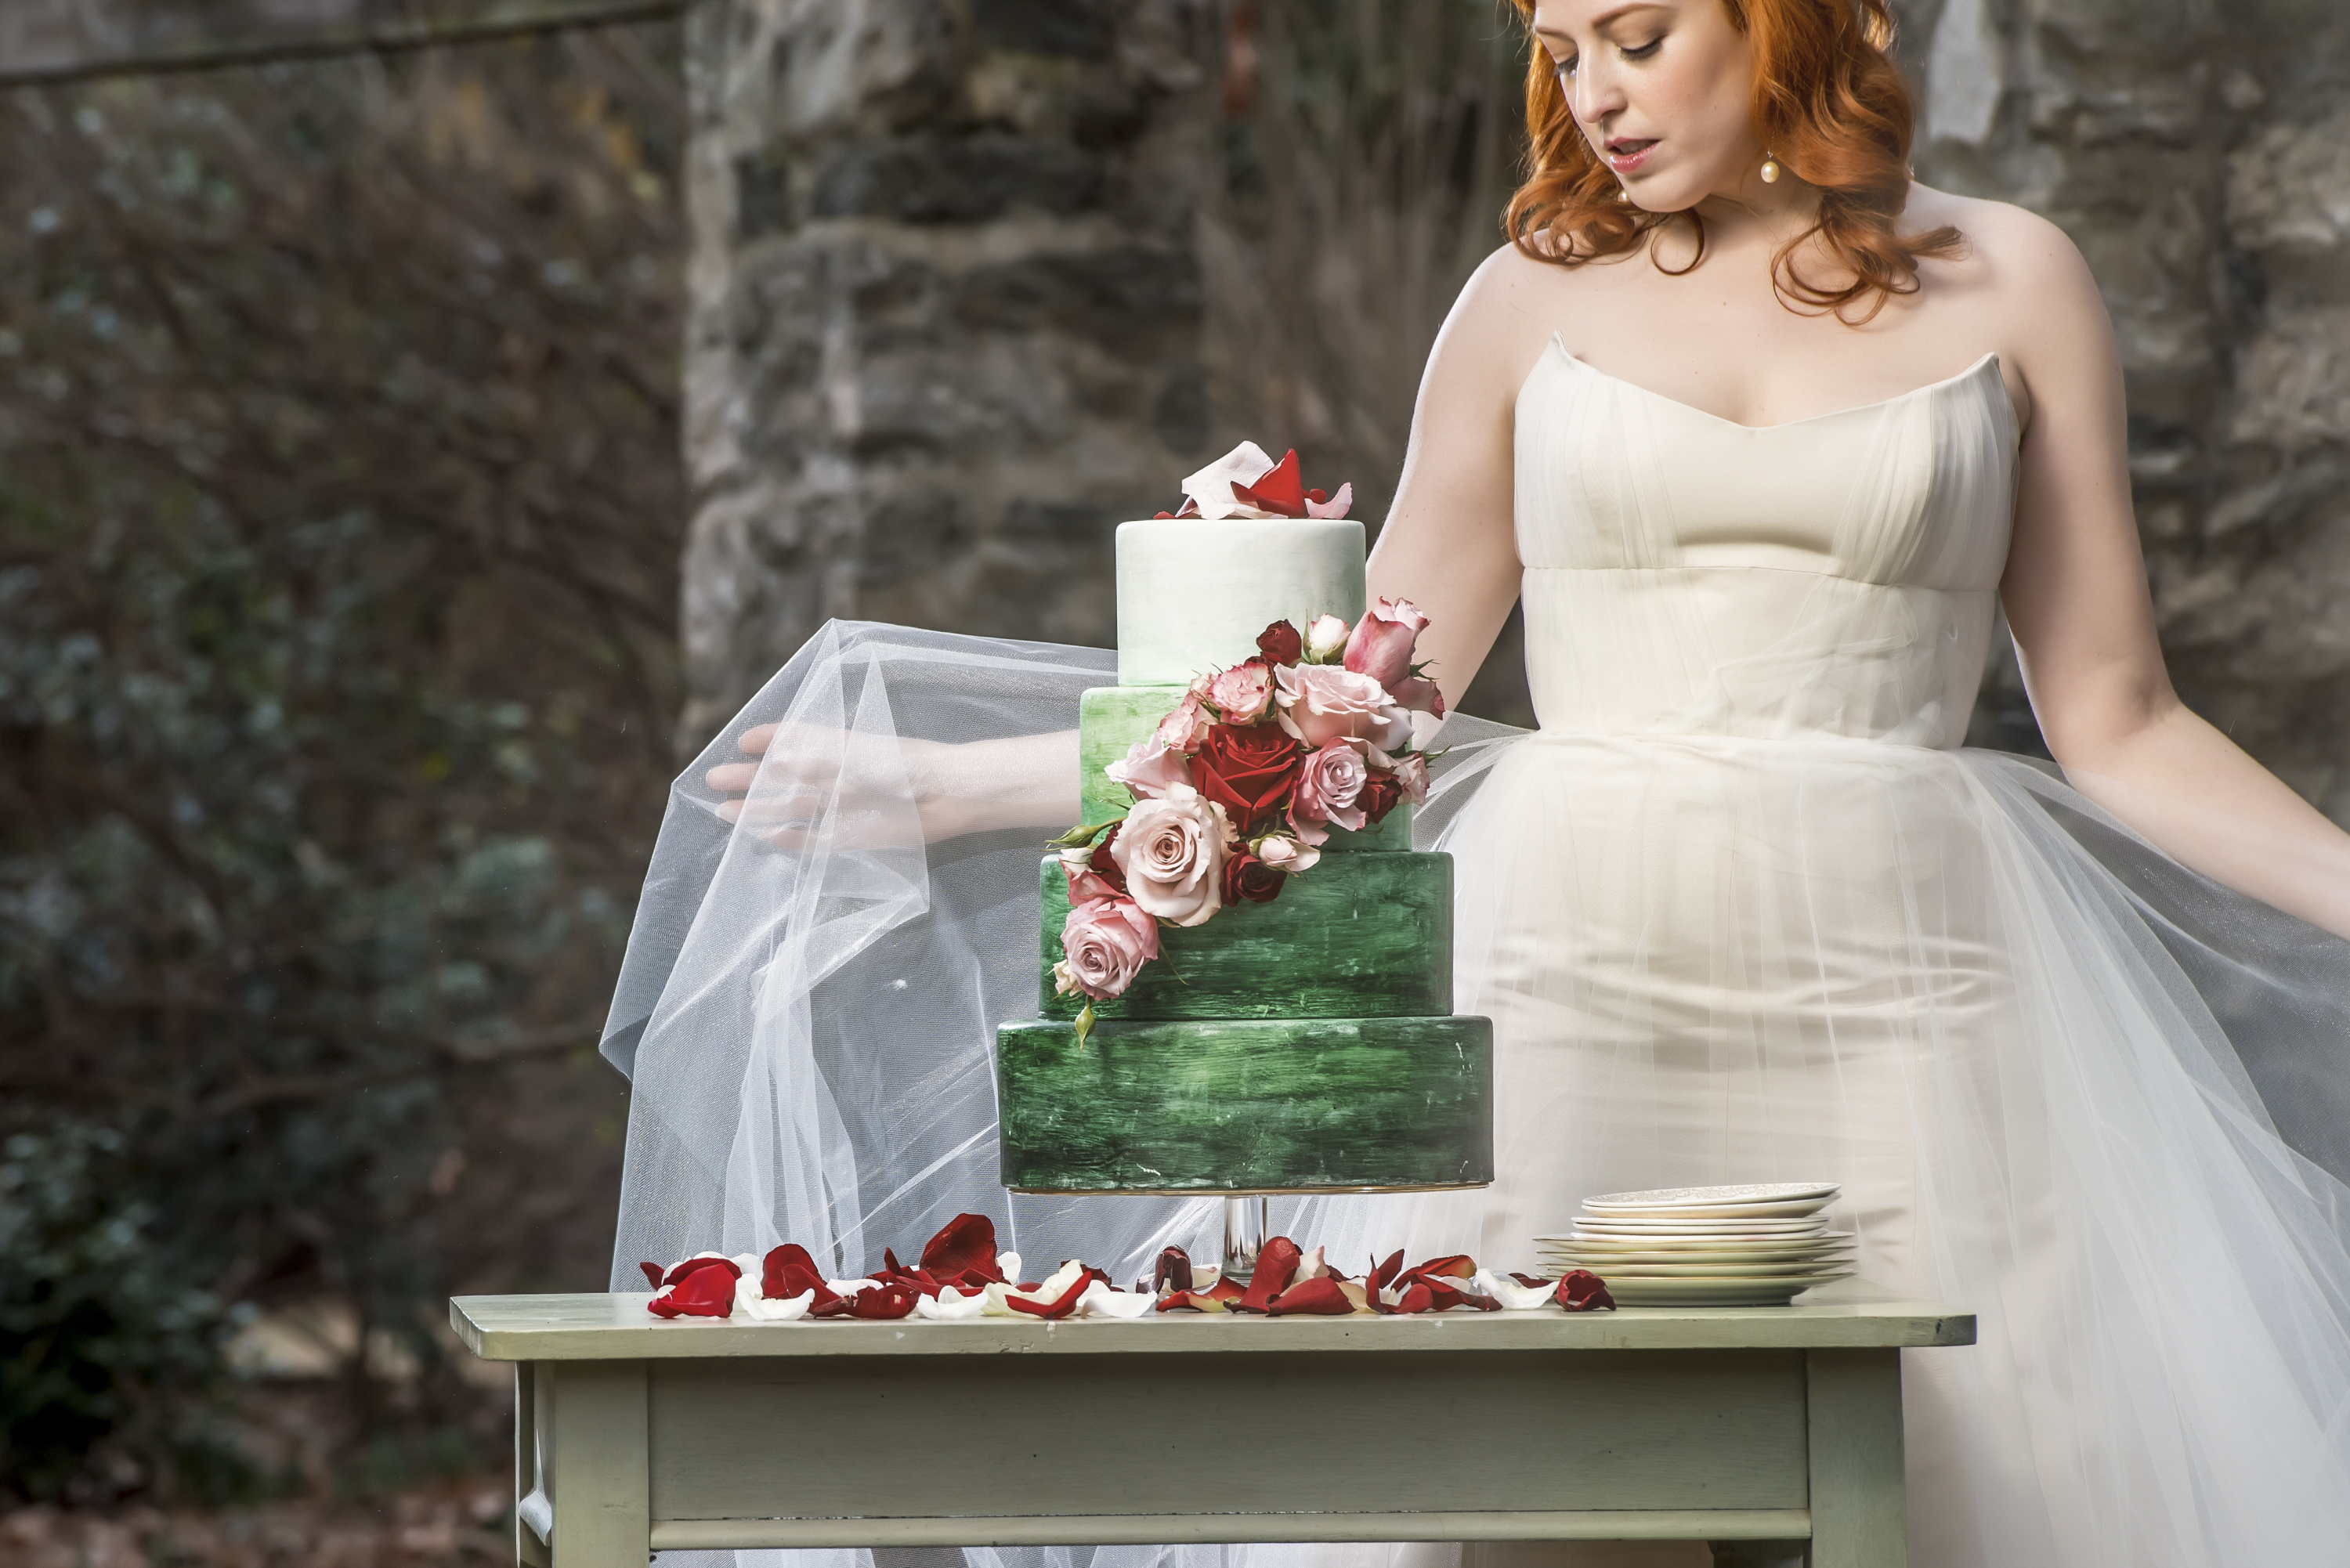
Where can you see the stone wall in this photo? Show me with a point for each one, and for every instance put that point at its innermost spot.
(945, 314)
(2199, 155)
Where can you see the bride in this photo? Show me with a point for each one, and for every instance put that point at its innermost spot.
(1761, 434)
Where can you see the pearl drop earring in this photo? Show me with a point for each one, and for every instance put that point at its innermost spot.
(1770, 168)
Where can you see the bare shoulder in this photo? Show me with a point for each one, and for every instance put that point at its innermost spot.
(1504, 316)
(2016, 255)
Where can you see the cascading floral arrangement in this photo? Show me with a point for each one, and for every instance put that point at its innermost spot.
(1237, 790)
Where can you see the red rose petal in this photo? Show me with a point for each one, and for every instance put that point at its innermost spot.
(966, 1243)
(705, 1293)
(1062, 1307)
(790, 1256)
(1583, 1291)
(1276, 1265)
(1417, 1297)
(1174, 1270)
(1528, 1279)
(882, 1302)
(1320, 1296)
(1280, 488)
(653, 1273)
(679, 1273)
(1223, 1290)
(1446, 1297)
(1190, 1301)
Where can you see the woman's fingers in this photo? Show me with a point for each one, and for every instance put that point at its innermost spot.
(732, 778)
(758, 737)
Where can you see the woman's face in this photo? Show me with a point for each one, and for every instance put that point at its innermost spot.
(1663, 90)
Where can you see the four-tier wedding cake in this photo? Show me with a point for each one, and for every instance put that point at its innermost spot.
(1246, 970)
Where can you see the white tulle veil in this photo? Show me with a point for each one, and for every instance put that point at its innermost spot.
(807, 1014)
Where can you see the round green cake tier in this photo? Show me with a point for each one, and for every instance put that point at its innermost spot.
(1110, 719)
(1284, 1105)
(1360, 936)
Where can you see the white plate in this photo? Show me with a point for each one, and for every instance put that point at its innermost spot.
(1715, 1293)
(1685, 1196)
(1787, 1210)
(1815, 1225)
(1602, 1244)
(1599, 1262)
(1715, 1271)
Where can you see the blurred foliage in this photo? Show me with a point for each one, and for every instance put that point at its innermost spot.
(339, 510)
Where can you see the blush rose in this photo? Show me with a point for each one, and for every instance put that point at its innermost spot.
(1149, 765)
(1319, 703)
(1172, 852)
(1381, 644)
(1105, 942)
(1329, 788)
(1243, 694)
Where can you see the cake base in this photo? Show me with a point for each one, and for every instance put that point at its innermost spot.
(1241, 1105)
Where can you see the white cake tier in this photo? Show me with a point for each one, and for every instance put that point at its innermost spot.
(1193, 593)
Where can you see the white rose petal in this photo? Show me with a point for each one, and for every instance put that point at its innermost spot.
(948, 1305)
(1210, 489)
(1101, 1301)
(1514, 1296)
(759, 1309)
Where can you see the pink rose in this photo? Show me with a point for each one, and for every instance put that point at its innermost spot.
(1172, 851)
(1324, 637)
(1411, 772)
(1328, 788)
(1321, 703)
(1242, 693)
(1185, 728)
(1105, 941)
(1421, 696)
(1283, 854)
(1381, 644)
(1150, 766)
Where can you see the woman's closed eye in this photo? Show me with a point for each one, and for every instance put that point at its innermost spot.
(1630, 52)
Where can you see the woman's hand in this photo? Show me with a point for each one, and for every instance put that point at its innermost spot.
(816, 785)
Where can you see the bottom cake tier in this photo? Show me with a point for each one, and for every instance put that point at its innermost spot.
(1275, 1104)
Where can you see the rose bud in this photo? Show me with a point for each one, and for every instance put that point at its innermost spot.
(1324, 638)
(1285, 854)
(1280, 644)
(1418, 694)
(1381, 644)
(1583, 1291)
(1248, 879)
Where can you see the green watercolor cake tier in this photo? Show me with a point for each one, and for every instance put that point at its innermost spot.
(1360, 936)
(1110, 719)
(1266, 1104)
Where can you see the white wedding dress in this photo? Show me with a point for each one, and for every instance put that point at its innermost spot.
(1741, 910)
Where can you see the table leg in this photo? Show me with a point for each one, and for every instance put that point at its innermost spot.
(1860, 1514)
(593, 1460)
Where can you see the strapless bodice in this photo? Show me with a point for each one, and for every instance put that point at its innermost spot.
(1832, 576)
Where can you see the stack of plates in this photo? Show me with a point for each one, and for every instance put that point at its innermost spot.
(1706, 1246)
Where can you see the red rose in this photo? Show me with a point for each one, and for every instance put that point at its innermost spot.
(1281, 643)
(1380, 792)
(1247, 877)
(1248, 770)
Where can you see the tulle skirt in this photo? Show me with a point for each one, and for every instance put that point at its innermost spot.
(1940, 978)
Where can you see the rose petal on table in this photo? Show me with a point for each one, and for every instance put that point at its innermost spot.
(1583, 1291)
(1049, 1307)
(1355, 1292)
(1448, 1296)
(1416, 1297)
(1190, 1301)
(1276, 1265)
(750, 1304)
(1320, 1296)
(792, 1258)
(1008, 1265)
(1311, 1266)
(965, 1245)
(705, 1293)
(679, 1272)
(1173, 1273)
(653, 1271)
(1458, 1266)
(1102, 1301)
(951, 1305)
(1514, 1296)
(883, 1302)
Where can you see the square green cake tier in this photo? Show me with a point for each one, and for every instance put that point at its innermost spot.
(1360, 936)
(1280, 1105)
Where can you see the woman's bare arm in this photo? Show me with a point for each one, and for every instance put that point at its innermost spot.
(2076, 597)
(1448, 544)
(853, 788)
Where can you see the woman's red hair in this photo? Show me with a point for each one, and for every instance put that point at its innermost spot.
(1829, 103)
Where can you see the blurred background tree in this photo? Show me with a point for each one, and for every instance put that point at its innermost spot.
(339, 514)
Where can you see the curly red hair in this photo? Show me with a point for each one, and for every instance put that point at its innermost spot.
(1830, 104)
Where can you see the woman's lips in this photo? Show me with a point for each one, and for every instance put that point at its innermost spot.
(1627, 154)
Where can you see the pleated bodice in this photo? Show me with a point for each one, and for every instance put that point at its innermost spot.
(1686, 575)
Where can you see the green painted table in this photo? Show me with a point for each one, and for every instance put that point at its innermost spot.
(1759, 1429)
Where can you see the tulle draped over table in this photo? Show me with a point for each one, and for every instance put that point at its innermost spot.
(1743, 909)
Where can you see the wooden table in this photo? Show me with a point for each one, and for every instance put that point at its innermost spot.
(1772, 1425)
